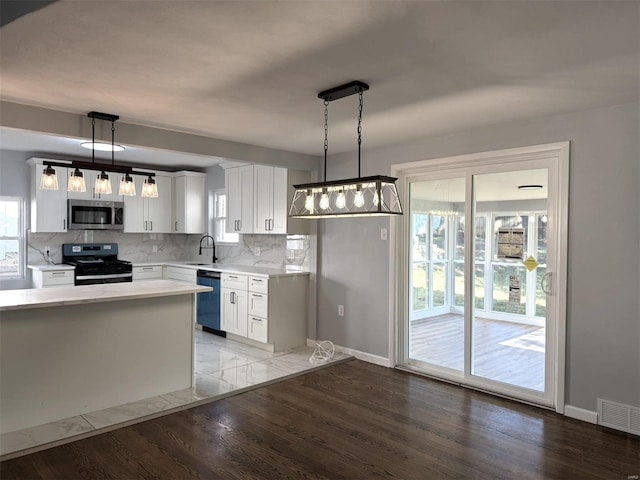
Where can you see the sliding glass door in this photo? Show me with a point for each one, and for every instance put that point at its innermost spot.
(479, 242)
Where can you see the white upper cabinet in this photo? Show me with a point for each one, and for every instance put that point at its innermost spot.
(273, 191)
(239, 191)
(149, 215)
(189, 202)
(270, 199)
(48, 207)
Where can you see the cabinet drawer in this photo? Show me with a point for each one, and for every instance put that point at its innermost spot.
(238, 282)
(258, 304)
(186, 275)
(153, 272)
(259, 284)
(54, 278)
(258, 329)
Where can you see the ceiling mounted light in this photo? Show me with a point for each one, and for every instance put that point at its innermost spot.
(102, 146)
(362, 196)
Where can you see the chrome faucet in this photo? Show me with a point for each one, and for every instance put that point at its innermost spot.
(213, 246)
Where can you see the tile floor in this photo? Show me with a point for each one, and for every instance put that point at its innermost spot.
(222, 368)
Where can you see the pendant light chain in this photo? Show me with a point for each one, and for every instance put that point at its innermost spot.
(359, 128)
(326, 136)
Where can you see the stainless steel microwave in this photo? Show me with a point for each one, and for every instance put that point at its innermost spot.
(95, 215)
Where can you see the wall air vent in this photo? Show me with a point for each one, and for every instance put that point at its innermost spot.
(619, 416)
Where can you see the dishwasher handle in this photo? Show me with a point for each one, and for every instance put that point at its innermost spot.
(208, 274)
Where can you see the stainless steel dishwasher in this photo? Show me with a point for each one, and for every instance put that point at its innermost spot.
(209, 303)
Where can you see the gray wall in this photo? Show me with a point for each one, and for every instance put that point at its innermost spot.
(14, 182)
(603, 325)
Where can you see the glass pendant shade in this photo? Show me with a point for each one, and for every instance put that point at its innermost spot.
(76, 182)
(127, 186)
(149, 189)
(49, 179)
(366, 196)
(103, 184)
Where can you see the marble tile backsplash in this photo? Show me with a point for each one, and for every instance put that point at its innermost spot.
(274, 250)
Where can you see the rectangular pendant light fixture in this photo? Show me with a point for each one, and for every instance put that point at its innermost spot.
(353, 197)
(49, 180)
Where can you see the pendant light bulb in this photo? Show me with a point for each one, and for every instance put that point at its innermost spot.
(324, 200)
(127, 186)
(308, 201)
(358, 201)
(341, 201)
(76, 182)
(149, 189)
(103, 184)
(49, 179)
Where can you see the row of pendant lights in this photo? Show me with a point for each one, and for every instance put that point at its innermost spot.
(102, 184)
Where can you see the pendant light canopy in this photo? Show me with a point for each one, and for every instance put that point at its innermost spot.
(361, 196)
(102, 185)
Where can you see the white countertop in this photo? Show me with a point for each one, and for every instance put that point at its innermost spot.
(241, 269)
(47, 267)
(109, 292)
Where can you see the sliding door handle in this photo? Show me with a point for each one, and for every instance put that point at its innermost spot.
(546, 283)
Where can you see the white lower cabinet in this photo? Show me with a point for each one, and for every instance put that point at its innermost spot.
(148, 272)
(270, 312)
(182, 274)
(233, 311)
(53, 278)
(258, 329)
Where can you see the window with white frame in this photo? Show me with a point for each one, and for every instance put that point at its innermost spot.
(218, 218)
(11, 238)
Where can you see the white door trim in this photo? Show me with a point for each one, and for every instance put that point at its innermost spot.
(558, 181)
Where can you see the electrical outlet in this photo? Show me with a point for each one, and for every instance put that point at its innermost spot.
(341, 310)
(154, 249)
(256, 251)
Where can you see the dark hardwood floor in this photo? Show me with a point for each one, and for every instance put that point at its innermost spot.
(349, 421)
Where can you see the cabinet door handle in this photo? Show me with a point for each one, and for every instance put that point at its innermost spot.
(256, 295)
(151, 223)
(233, 297)
(64, 223)
(176, 226)
(147, 268)
(239, 225)
(266, 224)
(58, 274)
(145, 225)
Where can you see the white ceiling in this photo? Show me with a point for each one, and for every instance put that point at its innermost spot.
(250, 71)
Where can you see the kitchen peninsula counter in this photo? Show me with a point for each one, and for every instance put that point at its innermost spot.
(83, 294)
(66, 351)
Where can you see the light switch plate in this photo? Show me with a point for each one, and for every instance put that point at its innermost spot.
(383, 234)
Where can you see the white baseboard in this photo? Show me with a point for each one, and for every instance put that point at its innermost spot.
(364, 356)
(581, 414)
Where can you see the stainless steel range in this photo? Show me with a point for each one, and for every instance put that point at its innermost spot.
(96, 263)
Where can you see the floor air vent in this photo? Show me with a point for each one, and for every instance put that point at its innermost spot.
(619, 416)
